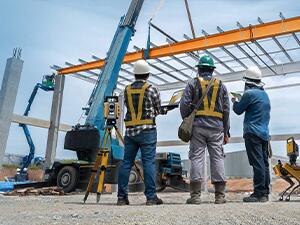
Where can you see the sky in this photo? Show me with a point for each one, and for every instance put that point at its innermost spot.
(55, 31)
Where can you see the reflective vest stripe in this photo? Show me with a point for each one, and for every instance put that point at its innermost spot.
(137, 119)
(209, 110)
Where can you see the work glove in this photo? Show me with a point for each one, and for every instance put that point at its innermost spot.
(167, 108)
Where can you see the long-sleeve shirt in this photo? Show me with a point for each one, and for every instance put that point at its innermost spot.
(256, 105)
(187, 106)
(152, 106)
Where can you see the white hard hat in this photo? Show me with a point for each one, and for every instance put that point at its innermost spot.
(253, 73)
(253, 76)
(141, 67)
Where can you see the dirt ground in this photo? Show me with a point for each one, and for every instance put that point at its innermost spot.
(33, 174)
(69, 209)
(233, 185)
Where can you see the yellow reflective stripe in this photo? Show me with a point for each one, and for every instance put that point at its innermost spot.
(214, 95)
(130, 103)
(138, 122)
(209, 113)
(209, 110)
(204, 83)
(137, 119)
(141, 98)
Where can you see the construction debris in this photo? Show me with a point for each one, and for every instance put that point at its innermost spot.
(36, 191)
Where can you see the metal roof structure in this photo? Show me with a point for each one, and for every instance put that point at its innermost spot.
(274, 55)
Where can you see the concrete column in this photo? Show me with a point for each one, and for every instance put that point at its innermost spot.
(54, 120)
(8, 95)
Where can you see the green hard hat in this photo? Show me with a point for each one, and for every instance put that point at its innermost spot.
(206, 61)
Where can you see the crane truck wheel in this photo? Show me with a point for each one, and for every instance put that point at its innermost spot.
(67, 178)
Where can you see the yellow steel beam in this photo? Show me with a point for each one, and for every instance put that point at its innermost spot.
(250, 33)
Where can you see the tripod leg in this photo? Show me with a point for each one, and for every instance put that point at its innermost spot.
(104, 162)
(94, 171)
(119, 135)
(92, 177)
(138, 170)
(102, 173)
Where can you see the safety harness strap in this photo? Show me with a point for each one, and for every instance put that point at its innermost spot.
(209, 110)
(137, 119)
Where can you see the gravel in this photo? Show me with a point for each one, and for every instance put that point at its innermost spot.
(38, 210)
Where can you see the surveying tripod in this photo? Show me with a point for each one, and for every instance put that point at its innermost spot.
(101, 161)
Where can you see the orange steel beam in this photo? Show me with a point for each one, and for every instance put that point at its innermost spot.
(250, 33)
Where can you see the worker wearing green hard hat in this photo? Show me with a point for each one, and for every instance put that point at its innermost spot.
(209, 97)
(206, 61)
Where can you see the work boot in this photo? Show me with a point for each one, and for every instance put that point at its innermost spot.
(195, 192)
(256, 198)
(122, 201)
(220, 192)
(154, 201)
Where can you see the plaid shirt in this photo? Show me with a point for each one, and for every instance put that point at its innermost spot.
(152, 104)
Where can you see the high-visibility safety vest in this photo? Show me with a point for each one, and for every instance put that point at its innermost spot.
(210, 105)
(136, 113)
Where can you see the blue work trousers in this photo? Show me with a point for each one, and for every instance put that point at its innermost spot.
(146, 142)
(257, 151)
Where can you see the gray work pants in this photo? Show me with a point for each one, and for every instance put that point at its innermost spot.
(211, 139)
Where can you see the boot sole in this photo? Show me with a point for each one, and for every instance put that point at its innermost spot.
(218, 203)
(193, 203)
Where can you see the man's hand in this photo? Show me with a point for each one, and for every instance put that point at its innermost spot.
(167, 108)
(233, 100)
(171, 107)
(226, 140)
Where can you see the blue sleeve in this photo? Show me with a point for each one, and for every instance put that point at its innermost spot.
(241, 106)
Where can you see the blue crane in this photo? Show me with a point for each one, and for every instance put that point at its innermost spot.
(107, 80)
(46, 85)
(105, 86)
(85, 139)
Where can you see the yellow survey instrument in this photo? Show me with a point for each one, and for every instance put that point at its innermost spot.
(289, 171)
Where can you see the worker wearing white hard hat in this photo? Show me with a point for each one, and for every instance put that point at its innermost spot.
(256, 105)
(141, 67)
(253, 76)
(143, 104)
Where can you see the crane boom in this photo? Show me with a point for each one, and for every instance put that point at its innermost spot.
(85, 139)
(107, 80)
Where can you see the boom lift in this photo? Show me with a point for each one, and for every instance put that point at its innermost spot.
(289, 171)
(46, 85)
(85, 139)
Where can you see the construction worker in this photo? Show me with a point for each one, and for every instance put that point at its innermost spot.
(143, 104)
(256, 105)
(210, 129)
